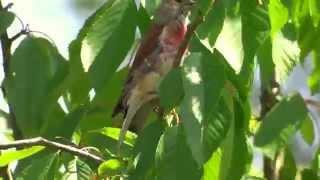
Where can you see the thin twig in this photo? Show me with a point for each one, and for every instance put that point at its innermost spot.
(7, 7)
(22, 32)
(191, 29)
(40, 141)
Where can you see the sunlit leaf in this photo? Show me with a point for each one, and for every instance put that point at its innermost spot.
(203, 81)
(299, 10)
(108, 40)
(213, 166)
(10, 156)
(113, 133)
(110, 168)
(314, 6)
(229, 42)
(285, 53)
(307, 130)
(279, 15)
(314, 79)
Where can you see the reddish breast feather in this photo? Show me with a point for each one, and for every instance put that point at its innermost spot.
(176, 33)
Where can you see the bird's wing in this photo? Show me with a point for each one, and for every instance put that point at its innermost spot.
(148, 45)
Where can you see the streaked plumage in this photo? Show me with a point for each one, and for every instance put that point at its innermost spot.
(154, 59)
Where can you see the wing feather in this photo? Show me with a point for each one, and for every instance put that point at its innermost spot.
(148, 45)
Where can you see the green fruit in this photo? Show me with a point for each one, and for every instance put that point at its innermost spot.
(111, 167)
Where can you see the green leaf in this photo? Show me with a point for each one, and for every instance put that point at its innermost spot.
(69, 122)
(285, 52)
(104, 40)
(213, 23)
(279, 16)
(309, 174)
(307, 130)
(234, 149)
(229, 42)
(299, 11)
(78, 170)
(145, 149)
(288, 170)
(282, 121)
(53, 172)
(99, 112)
(171, 89)
(285, 49)
(213, 166)
(113, 133)
(108, 40)
(173, 157)
(9, 156)
(111, 167)
(216, 129)
(308, 38)
(78, 90)
(255, 30)
(203, 80)
(144, 20)
(35, 77)
(314, 79)
(37, 166)
(6, 19)
(106, 145)
(267, 67)
(314, 6)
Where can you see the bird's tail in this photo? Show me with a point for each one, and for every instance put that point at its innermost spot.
(135, 105)
(132, 110)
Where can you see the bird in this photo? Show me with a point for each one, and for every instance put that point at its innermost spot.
(154, 58)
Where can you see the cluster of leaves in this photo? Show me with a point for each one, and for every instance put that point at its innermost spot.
(52, 96)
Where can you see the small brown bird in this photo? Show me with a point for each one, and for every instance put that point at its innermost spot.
(154, 59)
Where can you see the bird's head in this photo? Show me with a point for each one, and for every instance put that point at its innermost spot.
(172, 9)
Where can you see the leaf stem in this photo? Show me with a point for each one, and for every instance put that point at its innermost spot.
(40, 141)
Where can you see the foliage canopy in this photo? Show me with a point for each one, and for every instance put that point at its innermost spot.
(210, 93)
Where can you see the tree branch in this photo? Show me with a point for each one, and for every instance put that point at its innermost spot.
(6, 54)
(39, 141)
(191, 29)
